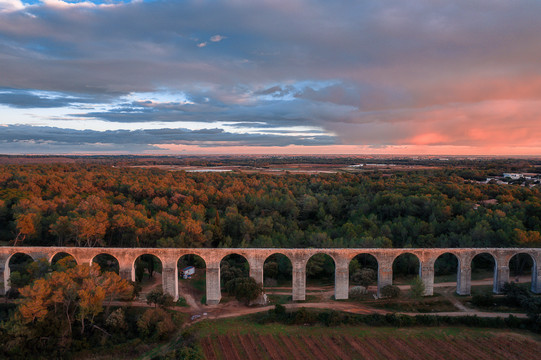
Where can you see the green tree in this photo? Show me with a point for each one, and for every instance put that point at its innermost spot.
(364, 277)
(417, 288)
(244, 289)
(159, 298)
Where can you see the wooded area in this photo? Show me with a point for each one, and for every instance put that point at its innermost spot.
(88, 204)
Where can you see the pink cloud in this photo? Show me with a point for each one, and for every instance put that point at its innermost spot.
(352, 149)
(428, 139)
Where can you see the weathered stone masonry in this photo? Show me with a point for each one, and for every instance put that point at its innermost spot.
(298, 257)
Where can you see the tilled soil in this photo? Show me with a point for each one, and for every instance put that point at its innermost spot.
(341, 346)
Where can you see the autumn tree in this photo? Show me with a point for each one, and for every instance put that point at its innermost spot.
(77, 293)
(27, 226)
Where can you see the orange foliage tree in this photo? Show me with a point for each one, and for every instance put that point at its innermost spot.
(77, 293)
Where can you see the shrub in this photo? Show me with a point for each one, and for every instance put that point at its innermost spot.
(303, 316)
(390, 291)
(364, 277)
(514, 294)
(156, 324)
(357, 292)
(330, 318)
(532, 305)
(136, 289)
(158, 297)
(280, 311)
(483, 300)
(181, 302)
(417, 288)
(116, 321)
(270, 282)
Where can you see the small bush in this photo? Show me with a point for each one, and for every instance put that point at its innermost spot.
(181, 302)
(483, 300)
(136, 289)
(390, 291)
(116, 321)
(357, 292)
(156, 324)
(280, 311)
(364, 277)
(304, 317)
(330, 318)
(158, 297)
(515, 294)
(270, 282)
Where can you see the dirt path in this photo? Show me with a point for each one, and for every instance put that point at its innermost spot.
(186, 291)
(148, 285)
(448, 293)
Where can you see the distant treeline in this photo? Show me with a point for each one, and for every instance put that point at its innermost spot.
(90, 204)
(496, 164)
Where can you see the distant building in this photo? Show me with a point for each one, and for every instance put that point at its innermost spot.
(512, 176)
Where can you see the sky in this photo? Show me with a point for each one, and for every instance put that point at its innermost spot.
(270, 77)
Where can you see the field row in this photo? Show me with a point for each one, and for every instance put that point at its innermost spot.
(341, 346)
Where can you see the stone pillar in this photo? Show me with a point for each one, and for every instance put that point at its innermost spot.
(463, 277)
(213, 284)
(127, 273)
(426, 272)
(126, 269)
(4, 275)
(84, 259)
(170, 279)
(536, 276)
(299, 280)
(341, 280)
(385, 274)
(501, 274)
(256, 270)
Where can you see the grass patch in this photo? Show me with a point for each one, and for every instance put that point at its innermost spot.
(479, 289)
(403, 280)
(199, 283)
(445, 278)
(319, 282)
(279, 299)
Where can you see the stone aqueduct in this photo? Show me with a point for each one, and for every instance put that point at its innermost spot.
(298, 257)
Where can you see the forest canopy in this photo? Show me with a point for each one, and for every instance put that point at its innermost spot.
(91, 204)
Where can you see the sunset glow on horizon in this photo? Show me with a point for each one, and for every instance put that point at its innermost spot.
(270, 77)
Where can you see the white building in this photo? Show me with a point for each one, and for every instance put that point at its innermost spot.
(187, 272)
(512, 176)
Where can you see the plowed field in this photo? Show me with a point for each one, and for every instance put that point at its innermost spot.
(291, 342)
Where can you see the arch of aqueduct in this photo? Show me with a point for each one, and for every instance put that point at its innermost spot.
(298, 257)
